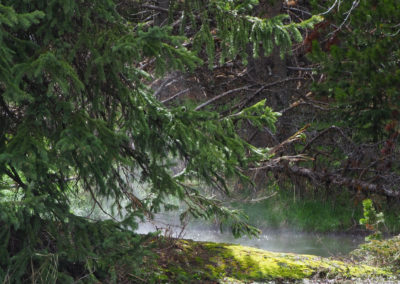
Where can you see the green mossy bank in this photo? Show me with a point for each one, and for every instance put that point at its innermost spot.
(189, 261)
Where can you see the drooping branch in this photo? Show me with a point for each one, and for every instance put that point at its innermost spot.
(329, 178)
(247, 87)
(13, 174)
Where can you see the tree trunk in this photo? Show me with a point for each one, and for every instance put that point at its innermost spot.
(161, 17)
(271, 68)
(268, 69)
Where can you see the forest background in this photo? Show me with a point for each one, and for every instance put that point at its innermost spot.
(204, 101)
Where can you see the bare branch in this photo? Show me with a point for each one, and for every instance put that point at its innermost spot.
(348, 13)
(175, 96)
(227, 93)
(330, 178)
(291, 139)
(297, 104)
(263, 87)
(156, 8)
(325, 132)
(300, 68)
(263, 198)
(164, 84)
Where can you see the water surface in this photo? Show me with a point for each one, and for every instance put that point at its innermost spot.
(283, 240)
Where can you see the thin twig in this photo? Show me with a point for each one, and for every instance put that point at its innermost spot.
(164, 84)
(175, 96)
(98, 204)
(333, 127)
(291, 139)
(353, 6)
(331, 8)
(224, 95)
(299, 10)
(267, 86)
(263, 198)
(156, 8)
(141, 279)
(302, 104)
(300, 68)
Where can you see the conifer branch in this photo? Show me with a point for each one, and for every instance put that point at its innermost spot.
(6, 108)
(14, 176)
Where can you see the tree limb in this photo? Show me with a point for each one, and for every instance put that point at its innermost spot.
(156, 8)
(223, 95)
(331, 178)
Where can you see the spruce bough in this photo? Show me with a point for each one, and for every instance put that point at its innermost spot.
(77, 116)
(361, 69)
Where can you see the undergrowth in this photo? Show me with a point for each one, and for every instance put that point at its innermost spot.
(316, 212)
(382, 253)
(39, 250)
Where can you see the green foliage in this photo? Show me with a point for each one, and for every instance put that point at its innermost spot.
(76, 116)
(312, 211)
(382, 253)
(233, 29)
(204, 262)
(259, 114)
(361, 69)
(39, 250)
(372, 220)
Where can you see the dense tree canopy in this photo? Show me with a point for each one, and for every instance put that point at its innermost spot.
(81, 115)
(362, 65)
(78, 117)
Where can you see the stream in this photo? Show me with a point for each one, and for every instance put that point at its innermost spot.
(277, 240)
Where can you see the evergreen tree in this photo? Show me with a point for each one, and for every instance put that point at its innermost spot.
(361, 64)
(77, 116)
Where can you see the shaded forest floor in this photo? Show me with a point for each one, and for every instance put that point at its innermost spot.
(110, 254)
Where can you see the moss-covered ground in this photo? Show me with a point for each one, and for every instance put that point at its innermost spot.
(382, 253)
(204, 262)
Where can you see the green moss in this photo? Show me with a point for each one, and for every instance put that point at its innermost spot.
(256, 264)
(382, 253)
(211, 261)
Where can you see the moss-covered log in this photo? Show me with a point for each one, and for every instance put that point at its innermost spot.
(205, 261)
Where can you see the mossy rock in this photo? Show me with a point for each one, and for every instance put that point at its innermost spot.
(207, 262)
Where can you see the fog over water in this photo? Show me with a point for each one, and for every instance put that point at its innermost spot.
(282, 240)
(278, 240)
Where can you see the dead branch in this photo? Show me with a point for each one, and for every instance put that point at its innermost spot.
(298, 104)
(322, 133)
(223, 95)
(330, 178)
(300, 68)
(263, 198)
(164, 84)
(156, 8)
(263, 87)
(175, 96)
(247, 87)
(291, 139)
